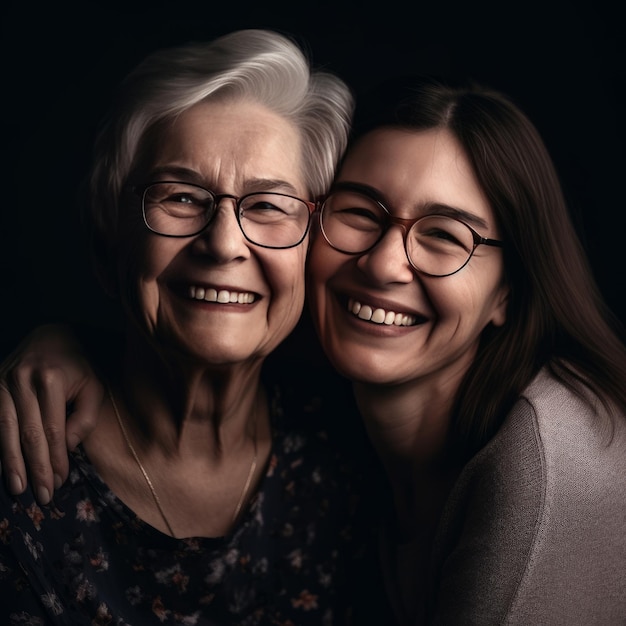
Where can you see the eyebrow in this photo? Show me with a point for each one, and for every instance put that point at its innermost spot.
(184, 174)
(431, 207)
(460, 214)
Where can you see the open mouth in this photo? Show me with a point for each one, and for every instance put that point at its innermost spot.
(222, 296)
(382, 316)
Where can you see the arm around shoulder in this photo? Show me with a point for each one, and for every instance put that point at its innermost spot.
(49, 399)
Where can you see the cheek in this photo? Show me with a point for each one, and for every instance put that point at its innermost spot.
(324, 266)
(321, 266)
(285, 275)
(469, 303)
(142, 261)
(150, 257)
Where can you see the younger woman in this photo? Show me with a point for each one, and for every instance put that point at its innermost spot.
(449, 286)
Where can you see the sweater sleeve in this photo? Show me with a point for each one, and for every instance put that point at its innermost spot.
(534, 530)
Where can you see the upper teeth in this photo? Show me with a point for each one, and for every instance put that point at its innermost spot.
(222, 296)
(380, 316)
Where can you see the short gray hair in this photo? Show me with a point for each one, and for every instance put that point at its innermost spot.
(259, 65)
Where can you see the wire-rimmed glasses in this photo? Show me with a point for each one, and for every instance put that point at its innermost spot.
(353, 222)
(266, 219)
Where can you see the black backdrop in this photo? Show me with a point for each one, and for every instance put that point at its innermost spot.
(563, 62)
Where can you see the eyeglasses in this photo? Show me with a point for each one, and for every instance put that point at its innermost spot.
(437, 245)
(268, 219)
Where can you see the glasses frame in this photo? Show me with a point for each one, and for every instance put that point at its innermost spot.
(141, 191)
(406, 223)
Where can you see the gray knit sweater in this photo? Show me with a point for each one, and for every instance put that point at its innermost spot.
(534, 531)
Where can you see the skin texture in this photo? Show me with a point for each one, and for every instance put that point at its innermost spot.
(411, 171)
(228, 148)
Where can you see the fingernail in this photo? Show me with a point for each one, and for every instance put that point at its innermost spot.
(72, 442)
(15, 484)
(57, 481)
(43, 495)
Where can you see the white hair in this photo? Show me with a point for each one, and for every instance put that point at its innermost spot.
(259, 65)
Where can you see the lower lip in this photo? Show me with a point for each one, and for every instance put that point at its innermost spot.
(222, 306)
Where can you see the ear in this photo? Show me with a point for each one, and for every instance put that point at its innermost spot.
(501, 303)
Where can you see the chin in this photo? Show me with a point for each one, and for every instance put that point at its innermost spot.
(362, 368)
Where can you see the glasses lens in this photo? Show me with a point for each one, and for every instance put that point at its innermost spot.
(439, 245)
(274, 220)
(177, 209)
(352, 222)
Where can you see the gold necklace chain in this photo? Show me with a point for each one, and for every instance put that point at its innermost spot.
(155, 496)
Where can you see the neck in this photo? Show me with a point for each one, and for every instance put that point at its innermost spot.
(188, 449)
(184, 406)
(409, 426)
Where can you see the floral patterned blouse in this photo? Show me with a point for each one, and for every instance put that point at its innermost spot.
(88, 559)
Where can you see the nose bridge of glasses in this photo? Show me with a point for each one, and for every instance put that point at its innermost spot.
(212, 218)
(402, 223)
(406, 223)
(404, 226)
(217, 202)
(218, 197)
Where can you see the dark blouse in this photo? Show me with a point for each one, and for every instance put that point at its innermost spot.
(88, 559)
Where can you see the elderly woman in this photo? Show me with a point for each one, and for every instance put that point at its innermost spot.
(201, 496)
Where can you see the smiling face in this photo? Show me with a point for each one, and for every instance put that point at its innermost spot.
(216, 297)
(379, 320)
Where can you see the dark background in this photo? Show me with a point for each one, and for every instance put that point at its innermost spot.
(563, 62)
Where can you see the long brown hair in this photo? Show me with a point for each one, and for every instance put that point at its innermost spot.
(556, 316)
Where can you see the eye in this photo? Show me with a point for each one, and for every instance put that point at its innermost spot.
(354, 211)
(185, 198)
(261, 206)
(442, 233)
(181, 204)
(358, 212)
(185, 204)
(262, 212)
(177, 199)
(270, 208)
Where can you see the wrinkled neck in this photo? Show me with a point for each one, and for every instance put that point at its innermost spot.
(182, 404)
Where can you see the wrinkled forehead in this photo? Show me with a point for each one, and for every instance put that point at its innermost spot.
(225, 142)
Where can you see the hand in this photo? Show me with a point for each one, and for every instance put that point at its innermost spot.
(49, 402)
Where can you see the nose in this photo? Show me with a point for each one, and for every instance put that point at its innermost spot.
(223, 239)
(387, 261)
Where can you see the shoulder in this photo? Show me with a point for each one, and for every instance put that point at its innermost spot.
(558, 443)
(538, 514)
(569, 428)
